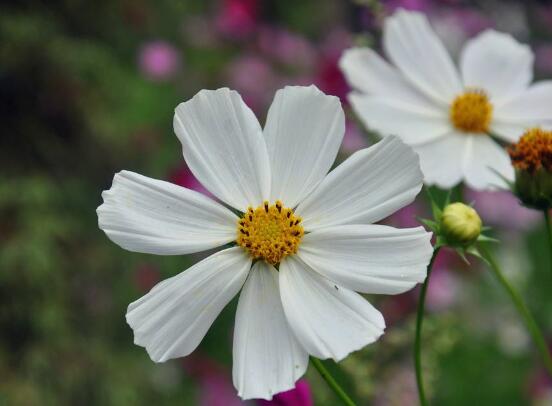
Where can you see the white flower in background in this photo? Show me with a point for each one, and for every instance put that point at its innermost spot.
(447, 117)
(315, 228)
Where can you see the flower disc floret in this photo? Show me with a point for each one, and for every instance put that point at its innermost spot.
(531, 157)
(533, 151)
(270, 232)
(472, 112)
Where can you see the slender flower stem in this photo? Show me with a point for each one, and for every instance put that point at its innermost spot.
(532, 326)
(549, 232)
(418, 340)
(332, 382)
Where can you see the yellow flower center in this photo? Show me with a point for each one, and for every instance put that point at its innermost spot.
(533, 151)
(270, 232)
(471, 112)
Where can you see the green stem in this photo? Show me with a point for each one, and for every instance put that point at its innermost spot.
(549, 232)
(332, 382)
(532, 326)
(418, 340)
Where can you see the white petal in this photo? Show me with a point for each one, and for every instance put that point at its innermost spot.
(328, 320)
(172, 319)
(369, 258)
(369, 73)
(369, 186)
(156, 217)
(442, 161)
(413, 47)
(268, 359)
(303, 131)
(412, 123)
(530, 109)
(224, 147)
(509, 131)
(497, 63)
(484, 159)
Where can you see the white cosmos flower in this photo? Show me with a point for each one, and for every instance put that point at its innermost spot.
(315, 227)
(446, 115)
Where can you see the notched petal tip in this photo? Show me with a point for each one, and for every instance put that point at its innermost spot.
(205, 94)
(311, 89)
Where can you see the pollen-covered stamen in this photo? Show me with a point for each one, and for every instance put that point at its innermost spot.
(270, 232)
(533, 151)
(471, 112)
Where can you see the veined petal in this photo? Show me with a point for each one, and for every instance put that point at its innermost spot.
(268, 359)
(485, 160)
(369, 73)
(303, 131)
(442, 160)
(328, 320)
(369, 186)
(419, 54)
(369, 258)
(152, 216)
(497, 63)
(224, 148)
(413, 124)
(529, 109)
(172, 319)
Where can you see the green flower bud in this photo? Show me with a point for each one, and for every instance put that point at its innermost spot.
(534, 189)
(460, 224)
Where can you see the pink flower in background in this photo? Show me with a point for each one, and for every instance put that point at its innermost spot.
(354, 139)
(416, 5)
(443, 289)
(336, 42)
(217, 390)
(182, 176)
(444, 285)
(408, 216)
(501, 208)
(286, 48)
(456, 25)
(540, 387)
(158, 60)
(214, 383)
(253, 77)
(470, 20)
(237, 18)
(299, 396)
(329, 77)
(215, 386)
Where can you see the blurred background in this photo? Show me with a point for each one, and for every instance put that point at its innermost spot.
(89, 88)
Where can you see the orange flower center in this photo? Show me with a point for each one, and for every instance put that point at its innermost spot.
(533, 151)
